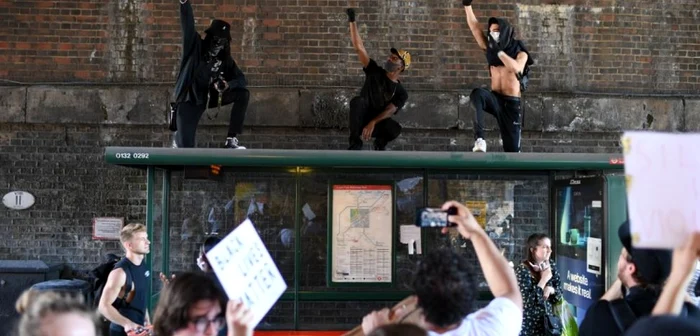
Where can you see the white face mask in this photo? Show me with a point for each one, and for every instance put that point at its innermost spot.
(495, 35)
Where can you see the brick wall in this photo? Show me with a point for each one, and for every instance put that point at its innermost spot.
(607, 46)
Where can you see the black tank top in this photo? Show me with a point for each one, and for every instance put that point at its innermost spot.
(133, 304)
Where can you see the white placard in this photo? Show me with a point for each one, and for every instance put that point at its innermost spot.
(107, 228)
(246, 270)
(663, 187)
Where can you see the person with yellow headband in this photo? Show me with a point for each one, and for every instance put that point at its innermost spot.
(381, 97)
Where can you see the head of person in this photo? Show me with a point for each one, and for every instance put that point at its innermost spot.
(641, 267)
(445, 284)
(399, 329)
(134, 239)
(202, 261)
(397, 62)
(500, 31)
(217, 41)
(190, 305)
(57, 314)
(539, 248)
(27, 297)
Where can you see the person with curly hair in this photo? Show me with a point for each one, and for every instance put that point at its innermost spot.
(539, 284)
(446, 288)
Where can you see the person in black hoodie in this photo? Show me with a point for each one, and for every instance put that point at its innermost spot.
(508, 63)
(209, 77)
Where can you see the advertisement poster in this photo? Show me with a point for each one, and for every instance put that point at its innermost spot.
(579, 245)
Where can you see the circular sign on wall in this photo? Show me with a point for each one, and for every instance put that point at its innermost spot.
(18, 200)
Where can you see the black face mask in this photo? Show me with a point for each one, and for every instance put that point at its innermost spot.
(217, 45)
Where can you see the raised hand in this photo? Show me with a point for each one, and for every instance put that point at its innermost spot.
(351, 14)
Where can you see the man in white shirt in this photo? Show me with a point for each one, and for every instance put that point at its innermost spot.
(445, 284)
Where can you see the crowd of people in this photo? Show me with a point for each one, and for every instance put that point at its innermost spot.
(650, 295)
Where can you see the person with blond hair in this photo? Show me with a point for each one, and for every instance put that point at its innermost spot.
(124, 297)
(54, 314)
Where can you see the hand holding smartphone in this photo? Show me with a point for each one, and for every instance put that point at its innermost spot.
(434, 217)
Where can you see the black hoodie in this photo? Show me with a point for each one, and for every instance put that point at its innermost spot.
(186, 88)
(506, 42)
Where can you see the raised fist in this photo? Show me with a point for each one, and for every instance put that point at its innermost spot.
(467, 2)
(351, 14)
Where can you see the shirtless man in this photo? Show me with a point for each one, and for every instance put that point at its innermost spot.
(507, 59)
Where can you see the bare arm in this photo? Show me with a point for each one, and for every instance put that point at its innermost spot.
(683, 266)
(475, 28)
(499, 276)
(356, 40)
(388, 112)
(516, 65)
(114, 284)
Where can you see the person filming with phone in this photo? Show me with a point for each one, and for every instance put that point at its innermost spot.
(539, 284)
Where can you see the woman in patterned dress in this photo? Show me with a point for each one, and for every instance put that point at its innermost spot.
(538, 280)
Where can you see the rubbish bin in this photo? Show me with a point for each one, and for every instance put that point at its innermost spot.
(75, 287)
(15, 277)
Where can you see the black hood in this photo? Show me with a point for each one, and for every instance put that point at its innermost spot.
(506, 32)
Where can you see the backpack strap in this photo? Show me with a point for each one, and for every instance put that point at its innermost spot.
(622, 314)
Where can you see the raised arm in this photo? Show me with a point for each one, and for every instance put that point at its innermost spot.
(189, 33)
(684, 258)
(474, 24)
(356, 40)
(499, 276)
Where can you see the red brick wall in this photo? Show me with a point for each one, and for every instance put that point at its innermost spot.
(625, 46)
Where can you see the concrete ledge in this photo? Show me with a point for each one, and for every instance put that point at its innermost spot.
(692, 115)
(587, 114)
(13, 104)
(148, 105)
(85, 105)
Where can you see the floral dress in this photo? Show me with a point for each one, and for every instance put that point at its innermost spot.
(534, 308)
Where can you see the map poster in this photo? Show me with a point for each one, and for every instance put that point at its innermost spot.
(361, 235)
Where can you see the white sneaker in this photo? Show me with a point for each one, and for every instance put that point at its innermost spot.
(479, 145)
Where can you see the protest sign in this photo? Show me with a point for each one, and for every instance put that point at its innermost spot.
(246, 270)
(663, 187)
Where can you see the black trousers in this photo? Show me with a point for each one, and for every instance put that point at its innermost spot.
(189, 113)
(361, 114)
(507, 111)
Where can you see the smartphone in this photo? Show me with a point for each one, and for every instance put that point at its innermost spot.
(434, 217)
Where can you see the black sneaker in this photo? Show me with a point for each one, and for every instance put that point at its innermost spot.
(232, 143)
(356, 145)
(379, 145)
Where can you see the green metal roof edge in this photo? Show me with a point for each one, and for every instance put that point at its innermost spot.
(163, 157)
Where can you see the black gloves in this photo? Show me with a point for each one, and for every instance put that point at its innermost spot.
(493, 45)
(351, 14)
(467, 2)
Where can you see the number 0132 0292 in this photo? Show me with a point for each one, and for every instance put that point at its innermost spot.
(132, 155)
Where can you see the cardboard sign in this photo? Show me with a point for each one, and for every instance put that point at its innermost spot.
(246, 270)
(663, 187)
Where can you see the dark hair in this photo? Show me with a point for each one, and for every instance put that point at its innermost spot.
(400, 329)
(44, 304)
(446, 287)
(532, 242)
(176, 298)
(637, 275)
(209, 244)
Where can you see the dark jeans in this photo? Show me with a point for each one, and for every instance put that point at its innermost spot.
(360, 115)
(507, 111)
(188, 115)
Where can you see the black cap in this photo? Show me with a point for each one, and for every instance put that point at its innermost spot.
(219, 28)
(654, 265)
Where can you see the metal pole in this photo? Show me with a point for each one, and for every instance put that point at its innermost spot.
(150, 191)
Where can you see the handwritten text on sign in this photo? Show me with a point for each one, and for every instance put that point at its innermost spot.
(663, 188)
(246, 270)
